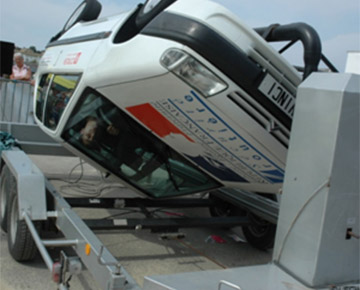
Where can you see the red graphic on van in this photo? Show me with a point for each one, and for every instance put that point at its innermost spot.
(155, 121)
(72, 58)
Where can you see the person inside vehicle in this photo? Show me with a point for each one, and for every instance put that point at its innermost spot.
(20, 71)
(115, 143)
(88, 133)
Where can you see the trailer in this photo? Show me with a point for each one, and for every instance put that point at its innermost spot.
(173, 159)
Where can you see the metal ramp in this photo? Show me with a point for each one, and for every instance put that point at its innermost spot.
(17, 118)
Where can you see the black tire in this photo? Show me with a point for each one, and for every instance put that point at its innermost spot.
(87, 10)
(149, 11)
(261, 234)
(7, 182)
(20, 242)
(220, 208)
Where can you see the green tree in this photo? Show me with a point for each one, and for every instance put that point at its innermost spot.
(33, 48)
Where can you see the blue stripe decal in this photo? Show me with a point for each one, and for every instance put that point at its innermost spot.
(256, 172)
(275, 175)
(228, 126)
(274, 172)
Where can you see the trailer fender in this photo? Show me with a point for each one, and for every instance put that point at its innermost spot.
(30, 183)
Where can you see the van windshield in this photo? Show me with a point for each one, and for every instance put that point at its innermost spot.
(119, 144)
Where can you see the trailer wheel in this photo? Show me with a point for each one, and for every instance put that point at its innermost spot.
(20, 242)
(260, 234)
(7, 181)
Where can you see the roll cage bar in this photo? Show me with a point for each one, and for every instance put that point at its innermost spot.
(293, 33)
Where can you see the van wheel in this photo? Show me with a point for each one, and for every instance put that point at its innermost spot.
(150, 10)
(260, 234)
(220, 208)
(20, 242)
(7, 181)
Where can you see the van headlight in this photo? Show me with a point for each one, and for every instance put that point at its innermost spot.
(192, 72)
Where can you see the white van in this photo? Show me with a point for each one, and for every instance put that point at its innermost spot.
(173, 98)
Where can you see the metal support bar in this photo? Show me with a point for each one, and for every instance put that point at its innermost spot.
(328, 63)
(137, 202)
(166, 223)
(60, 243)
(44, 253)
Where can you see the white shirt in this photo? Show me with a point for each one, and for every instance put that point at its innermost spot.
(18, 72)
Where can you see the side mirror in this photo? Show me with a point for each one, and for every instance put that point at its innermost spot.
(150, 10)
(140, 18)
(88, 10)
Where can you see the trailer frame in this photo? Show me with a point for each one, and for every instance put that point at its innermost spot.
(41, 202)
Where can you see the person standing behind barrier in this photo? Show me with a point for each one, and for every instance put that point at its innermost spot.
(20, 71)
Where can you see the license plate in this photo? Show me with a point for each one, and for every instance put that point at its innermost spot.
(273, 90)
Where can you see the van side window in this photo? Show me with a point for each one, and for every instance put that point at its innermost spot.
(54, 93)
(41, 95)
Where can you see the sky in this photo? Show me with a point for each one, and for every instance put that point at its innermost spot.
(33, 22)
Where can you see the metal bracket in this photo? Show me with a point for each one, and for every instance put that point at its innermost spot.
(71, 265)
(226, 283)
(116, 264)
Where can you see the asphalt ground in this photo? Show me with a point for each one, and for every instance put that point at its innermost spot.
(141, 252)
